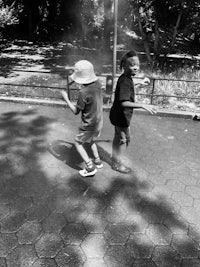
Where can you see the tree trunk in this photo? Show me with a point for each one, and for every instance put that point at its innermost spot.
(108, 23)
(145, 41)
(176, 28)
(30, 24)
(156, 45)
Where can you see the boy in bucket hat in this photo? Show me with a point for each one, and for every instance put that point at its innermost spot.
(90, 104)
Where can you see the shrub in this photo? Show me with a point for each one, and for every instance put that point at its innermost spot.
(8, 15)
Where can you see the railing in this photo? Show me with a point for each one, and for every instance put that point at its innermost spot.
(149, 92)
(154, 80)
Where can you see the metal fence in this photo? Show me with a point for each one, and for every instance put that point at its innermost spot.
(181, 88)
(46, 84)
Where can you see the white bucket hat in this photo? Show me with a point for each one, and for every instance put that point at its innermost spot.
(84, 72)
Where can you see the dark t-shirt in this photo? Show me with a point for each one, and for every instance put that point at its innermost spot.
(90, 103)
(119, 115)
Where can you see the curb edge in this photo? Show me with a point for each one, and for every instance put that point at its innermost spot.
(60, 103)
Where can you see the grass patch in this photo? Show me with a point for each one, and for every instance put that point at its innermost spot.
(179, 83)
(183, 85)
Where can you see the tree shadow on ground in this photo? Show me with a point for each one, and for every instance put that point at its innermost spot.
(139, 231)
(66, 152)
(32, 60)
(30, 200)
(54, 57)
(9, 64)
(53, 216)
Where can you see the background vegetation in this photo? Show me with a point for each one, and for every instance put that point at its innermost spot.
(165, 32)
(156, 27)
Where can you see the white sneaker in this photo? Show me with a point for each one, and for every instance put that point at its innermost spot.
(98, 163)
(88, 172)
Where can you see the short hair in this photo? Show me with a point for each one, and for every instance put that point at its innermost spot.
(131, 53)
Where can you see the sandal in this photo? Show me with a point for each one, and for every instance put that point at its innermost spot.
(121, 168)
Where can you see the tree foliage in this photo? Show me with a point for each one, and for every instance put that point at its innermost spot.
(161, 26)
(166, 26)
(8, 14)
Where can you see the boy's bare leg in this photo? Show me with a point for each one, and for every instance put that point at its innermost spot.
(89, 169)
(81, 150)
(118, 150)
(97, 161)
(94, 150)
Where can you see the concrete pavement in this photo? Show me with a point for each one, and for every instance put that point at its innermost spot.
(50, 216)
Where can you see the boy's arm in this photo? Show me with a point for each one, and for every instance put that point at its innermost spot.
(130, 104)
(69, 103)
(139, 81)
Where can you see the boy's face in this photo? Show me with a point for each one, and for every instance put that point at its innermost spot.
(132, 66)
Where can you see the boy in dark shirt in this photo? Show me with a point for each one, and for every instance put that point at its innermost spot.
(90, 104)
(122, 108)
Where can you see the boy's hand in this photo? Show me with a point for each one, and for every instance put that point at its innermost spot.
(69, 103)
(65, 95)
(145, 81)
(150, 109)
(141, 82)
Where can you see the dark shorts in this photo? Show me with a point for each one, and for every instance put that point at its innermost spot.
(122, 135)
(86, 136)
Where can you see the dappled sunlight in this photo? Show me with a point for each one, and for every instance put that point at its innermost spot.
(146, 217)
(94, 246)
(49, 166)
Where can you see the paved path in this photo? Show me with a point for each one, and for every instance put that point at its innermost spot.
(49, 216)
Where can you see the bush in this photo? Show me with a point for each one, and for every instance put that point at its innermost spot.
(183, 84)
(8, 15)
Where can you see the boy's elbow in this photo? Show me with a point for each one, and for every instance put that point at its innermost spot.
(76, 111)
(124, 103)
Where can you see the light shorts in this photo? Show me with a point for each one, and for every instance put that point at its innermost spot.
(86, 136)
(122, 135)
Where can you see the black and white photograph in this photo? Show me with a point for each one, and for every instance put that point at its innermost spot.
(99, 133)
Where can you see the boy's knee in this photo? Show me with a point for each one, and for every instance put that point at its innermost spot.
(92, 142)
(124, 141)
(77, 142)
(122, 135)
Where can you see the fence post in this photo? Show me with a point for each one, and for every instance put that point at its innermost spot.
(109, 89)
(68, 89)
(152, 92)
